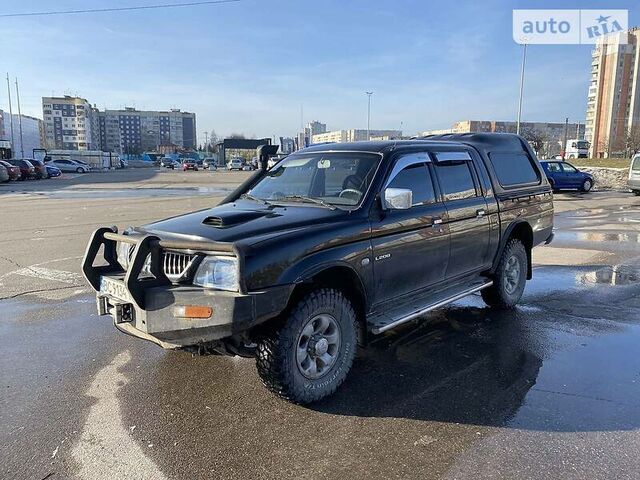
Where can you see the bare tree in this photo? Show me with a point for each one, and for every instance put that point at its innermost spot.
(632, 140)
(237, 135)
(602, 147)
(537, 139)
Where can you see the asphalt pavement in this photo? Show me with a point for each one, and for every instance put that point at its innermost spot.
(549, 390)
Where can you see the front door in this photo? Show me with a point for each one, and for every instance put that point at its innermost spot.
(466, 217)
(410, 247)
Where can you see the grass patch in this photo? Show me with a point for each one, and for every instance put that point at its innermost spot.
(600, 162)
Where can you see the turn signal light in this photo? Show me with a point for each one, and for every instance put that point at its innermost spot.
(192, 311)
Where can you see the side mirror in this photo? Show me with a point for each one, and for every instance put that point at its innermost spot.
(398, 198)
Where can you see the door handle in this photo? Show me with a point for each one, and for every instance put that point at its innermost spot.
(480, 213)
(436, 222)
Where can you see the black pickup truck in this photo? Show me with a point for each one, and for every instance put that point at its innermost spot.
(331, 246)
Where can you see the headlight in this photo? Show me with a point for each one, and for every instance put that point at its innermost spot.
(218, 272)
(124, 251)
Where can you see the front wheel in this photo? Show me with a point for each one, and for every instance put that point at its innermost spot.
(510, 277)
(587, 185)
(636, 193)
(307, 357)
(80, 170)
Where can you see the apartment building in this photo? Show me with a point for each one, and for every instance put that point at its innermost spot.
(553, 131)
(71, 123)
(135, 131)
(305, 137)
(355, 135)
(613, 99)
(68, 123)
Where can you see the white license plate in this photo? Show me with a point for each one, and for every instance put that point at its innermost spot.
(114, 288)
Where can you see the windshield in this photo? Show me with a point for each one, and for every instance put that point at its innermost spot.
(582, 145)
(636, 164)
(340, 179)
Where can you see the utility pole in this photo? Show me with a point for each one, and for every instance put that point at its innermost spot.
(19, 120)
(369, 115)
(13, 154)
(206, 142)
(524, 59)
(566, 133)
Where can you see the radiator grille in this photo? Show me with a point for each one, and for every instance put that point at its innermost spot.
(176, 264)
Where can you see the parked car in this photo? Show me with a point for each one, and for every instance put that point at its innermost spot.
(40, 171)
(26, 168)
(12, 170)
(247, 168)
(167, 162)
(70, 166)
(335, 245)
(189, 164)
(53, 171)
(235, 164)
(209, 163)
(4, 174)
(634, 175)
(563, 175)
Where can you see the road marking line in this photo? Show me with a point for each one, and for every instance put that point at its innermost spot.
(106, 449)
(50, 274)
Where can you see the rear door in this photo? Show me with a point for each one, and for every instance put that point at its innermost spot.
(410, 247)
(555, 173)
(466, 213)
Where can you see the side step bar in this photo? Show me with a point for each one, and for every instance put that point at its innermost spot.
(440, 303)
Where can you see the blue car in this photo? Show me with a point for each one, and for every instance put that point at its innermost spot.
(53, 171)
(563, 175)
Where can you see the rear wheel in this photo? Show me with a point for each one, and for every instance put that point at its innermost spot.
(307, 357)
(510, 277)
(586, 185)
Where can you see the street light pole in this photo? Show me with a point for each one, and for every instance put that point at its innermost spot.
(369, 115)
(524, 58)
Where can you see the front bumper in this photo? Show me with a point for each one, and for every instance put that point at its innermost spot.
(147, 307)
(634, 184)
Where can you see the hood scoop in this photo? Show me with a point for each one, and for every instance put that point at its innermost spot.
(234, 218)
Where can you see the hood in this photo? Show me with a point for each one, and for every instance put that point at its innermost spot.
(240, 220)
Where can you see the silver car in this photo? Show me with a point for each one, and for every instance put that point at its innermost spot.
(70, 166)
(634, 174)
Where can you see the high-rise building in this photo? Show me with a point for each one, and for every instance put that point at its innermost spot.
(287, 145)
(613, 100)
(71, 123)
(134, 131)
(68, 123)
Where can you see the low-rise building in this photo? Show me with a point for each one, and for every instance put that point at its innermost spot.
(355, 135)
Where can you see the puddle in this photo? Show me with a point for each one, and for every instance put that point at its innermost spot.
(572, 236)
(612, 275)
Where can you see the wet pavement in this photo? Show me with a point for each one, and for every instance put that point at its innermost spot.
(548, 390)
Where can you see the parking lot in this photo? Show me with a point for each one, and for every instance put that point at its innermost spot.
(549, 390)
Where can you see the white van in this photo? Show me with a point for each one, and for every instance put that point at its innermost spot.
(634, 174)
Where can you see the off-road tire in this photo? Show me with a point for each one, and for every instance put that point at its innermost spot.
(498, 295)
(276, 351)
(587, 185)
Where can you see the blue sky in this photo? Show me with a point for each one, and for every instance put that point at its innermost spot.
(248, 67)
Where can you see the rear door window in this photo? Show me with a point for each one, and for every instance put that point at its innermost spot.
(514, 169)
(553, 167)
(456, 181)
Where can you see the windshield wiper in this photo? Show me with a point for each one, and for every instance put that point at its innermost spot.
(309, 200)
(248, 196)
